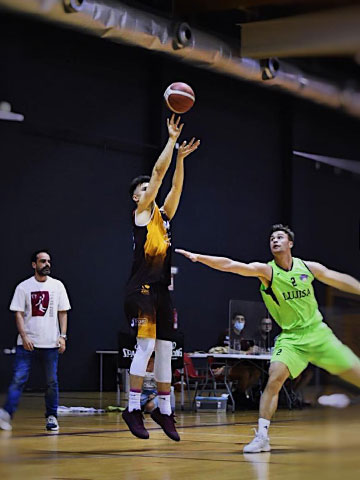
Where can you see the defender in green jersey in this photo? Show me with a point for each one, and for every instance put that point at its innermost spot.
(286, 288)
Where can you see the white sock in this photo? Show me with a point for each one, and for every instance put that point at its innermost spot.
(264, 427)
(134, 400)
(164, 403)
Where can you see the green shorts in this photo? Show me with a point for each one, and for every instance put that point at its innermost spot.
(316, 344)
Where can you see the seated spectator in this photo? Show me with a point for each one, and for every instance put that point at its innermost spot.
(233, 338)
(237, 331)
(264, 339)
(242, 373)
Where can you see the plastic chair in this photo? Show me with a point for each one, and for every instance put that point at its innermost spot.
(219, 374)
(192, 378)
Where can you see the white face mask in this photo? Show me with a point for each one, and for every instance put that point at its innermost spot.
(239, 325)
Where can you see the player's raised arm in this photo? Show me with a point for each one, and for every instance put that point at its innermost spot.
(162, 164)
(172, 200)
(253, 269)
(342, 281)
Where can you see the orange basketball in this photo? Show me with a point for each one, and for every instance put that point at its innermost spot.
(179, 97)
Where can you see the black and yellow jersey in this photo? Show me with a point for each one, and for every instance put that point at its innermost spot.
(152, 252)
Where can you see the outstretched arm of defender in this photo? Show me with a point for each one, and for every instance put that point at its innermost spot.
(172, 200)
(341, 281)
(254, 269)
(162, 164)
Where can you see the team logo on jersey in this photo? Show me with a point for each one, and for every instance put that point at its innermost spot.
(39, 303)
(296, 294)
(303, 277)
(145, 289)
(138, 321)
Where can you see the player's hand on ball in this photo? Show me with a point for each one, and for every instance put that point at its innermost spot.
(186, 148)
(189, 255)
(174, 127)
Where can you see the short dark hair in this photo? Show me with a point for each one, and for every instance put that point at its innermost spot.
(265, 318)
(235, 314)
(138, 181)
(35, 254)
(283, 228)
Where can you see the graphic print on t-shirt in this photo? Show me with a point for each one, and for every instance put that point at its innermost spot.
(39, 303)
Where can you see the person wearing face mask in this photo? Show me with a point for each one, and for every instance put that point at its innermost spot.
(232, 337)
(238, 324)
(243, 374)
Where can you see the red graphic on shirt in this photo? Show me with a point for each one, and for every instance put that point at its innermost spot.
(39, 303)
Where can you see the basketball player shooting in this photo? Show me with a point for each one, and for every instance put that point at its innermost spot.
(287, 291)
(148, 304)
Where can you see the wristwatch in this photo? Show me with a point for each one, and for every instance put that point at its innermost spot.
(63, 335)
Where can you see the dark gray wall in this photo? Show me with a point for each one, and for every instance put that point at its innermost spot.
(95, 119)
(326, 201)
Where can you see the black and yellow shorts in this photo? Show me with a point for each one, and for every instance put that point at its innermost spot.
(149, 311)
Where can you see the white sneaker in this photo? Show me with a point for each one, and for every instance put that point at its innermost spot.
(260, 443)
(5, 420)
(52, 423)
(337, 400)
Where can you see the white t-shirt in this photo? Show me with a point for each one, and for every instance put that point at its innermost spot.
(40, 302)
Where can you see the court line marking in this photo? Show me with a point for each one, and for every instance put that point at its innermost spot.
(176, 455)
(121, 430)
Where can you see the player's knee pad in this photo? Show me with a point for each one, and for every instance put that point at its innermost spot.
(162, 366)
(145, 347)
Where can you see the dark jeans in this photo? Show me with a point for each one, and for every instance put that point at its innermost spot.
(22, 366)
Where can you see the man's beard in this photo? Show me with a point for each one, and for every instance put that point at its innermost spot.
(43, 271)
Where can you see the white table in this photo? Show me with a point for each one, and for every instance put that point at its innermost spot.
(230, 357)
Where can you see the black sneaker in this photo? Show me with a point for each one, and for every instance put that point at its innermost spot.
(167, 423)
(135, 421)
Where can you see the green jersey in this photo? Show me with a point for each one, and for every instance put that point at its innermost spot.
(290, 296)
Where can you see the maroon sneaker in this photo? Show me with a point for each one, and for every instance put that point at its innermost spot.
(167, 423)
(135, 421)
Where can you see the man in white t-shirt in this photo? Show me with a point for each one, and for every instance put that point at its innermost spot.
(40, 304)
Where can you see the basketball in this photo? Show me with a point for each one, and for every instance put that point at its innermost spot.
(179, 97)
